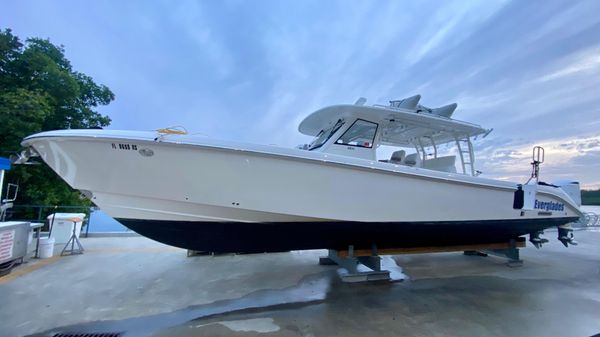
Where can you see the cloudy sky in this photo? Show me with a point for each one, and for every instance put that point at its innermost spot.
(251, 70)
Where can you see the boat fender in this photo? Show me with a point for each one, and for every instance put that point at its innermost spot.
(519, 198)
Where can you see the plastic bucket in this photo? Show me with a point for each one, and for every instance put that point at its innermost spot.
(46, 248)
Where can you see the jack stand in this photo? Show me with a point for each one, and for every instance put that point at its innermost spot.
(72, 241)
(352, 264)
(511, 252)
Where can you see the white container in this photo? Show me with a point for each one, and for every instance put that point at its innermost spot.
(61, 228)
(46, 248)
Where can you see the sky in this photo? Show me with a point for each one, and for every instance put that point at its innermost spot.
(252, 70)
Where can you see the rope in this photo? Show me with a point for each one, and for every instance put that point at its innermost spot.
(173, 130)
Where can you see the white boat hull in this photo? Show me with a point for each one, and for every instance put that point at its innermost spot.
(219, 196)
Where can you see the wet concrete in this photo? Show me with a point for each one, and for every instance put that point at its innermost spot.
(143, 288)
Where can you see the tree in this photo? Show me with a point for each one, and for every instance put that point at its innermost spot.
(40, 91)
(590, 197)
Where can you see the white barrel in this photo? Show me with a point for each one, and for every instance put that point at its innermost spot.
(46, 248)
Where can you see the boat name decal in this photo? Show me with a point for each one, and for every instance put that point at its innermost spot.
(549, 205)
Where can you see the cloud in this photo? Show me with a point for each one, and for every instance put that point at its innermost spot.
(564, 158)
(251, 71)
(449, 25)
(588, 62)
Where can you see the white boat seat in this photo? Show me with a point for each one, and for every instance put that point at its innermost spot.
(397, 157)
(413, 159)
(444, 164)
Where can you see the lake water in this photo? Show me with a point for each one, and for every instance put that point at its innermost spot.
(102, 222)
(594, 209)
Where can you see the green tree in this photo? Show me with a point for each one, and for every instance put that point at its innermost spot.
(40, 91)
(590, 197)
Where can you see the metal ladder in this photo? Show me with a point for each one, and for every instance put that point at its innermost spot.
(466, 154)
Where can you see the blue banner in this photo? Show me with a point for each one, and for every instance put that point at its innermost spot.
(4, 163)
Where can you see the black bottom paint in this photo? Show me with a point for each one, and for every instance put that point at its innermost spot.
(244, 237)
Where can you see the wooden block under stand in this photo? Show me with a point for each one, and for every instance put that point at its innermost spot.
(518, 243)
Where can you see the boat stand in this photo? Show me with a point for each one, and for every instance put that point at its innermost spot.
(73, 240)
(361, 268)
(365, 265)
(510, 252)
(192, 253)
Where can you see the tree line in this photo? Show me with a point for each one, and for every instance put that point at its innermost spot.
(40, 91)
(590, 197)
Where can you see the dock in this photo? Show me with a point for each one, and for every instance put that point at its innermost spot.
(132, 286)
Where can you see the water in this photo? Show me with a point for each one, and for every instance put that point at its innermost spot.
(593, 209)
(591, 217)
(102, 222)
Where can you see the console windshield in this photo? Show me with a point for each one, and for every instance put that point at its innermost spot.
(324, 135)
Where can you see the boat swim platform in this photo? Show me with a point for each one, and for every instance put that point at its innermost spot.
(138, 286)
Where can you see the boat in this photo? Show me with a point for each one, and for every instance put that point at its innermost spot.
(212, 195)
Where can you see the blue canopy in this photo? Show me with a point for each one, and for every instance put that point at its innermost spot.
(4, 163)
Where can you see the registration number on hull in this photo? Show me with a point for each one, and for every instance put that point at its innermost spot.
(121, 146)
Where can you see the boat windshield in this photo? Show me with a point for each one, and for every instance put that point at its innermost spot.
(324, 135)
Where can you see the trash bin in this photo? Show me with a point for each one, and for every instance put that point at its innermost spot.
(61, 228)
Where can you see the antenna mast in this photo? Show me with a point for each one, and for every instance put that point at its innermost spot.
(538, 158)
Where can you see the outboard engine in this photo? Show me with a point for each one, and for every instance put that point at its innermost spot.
(525, 199)
(565, 233)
